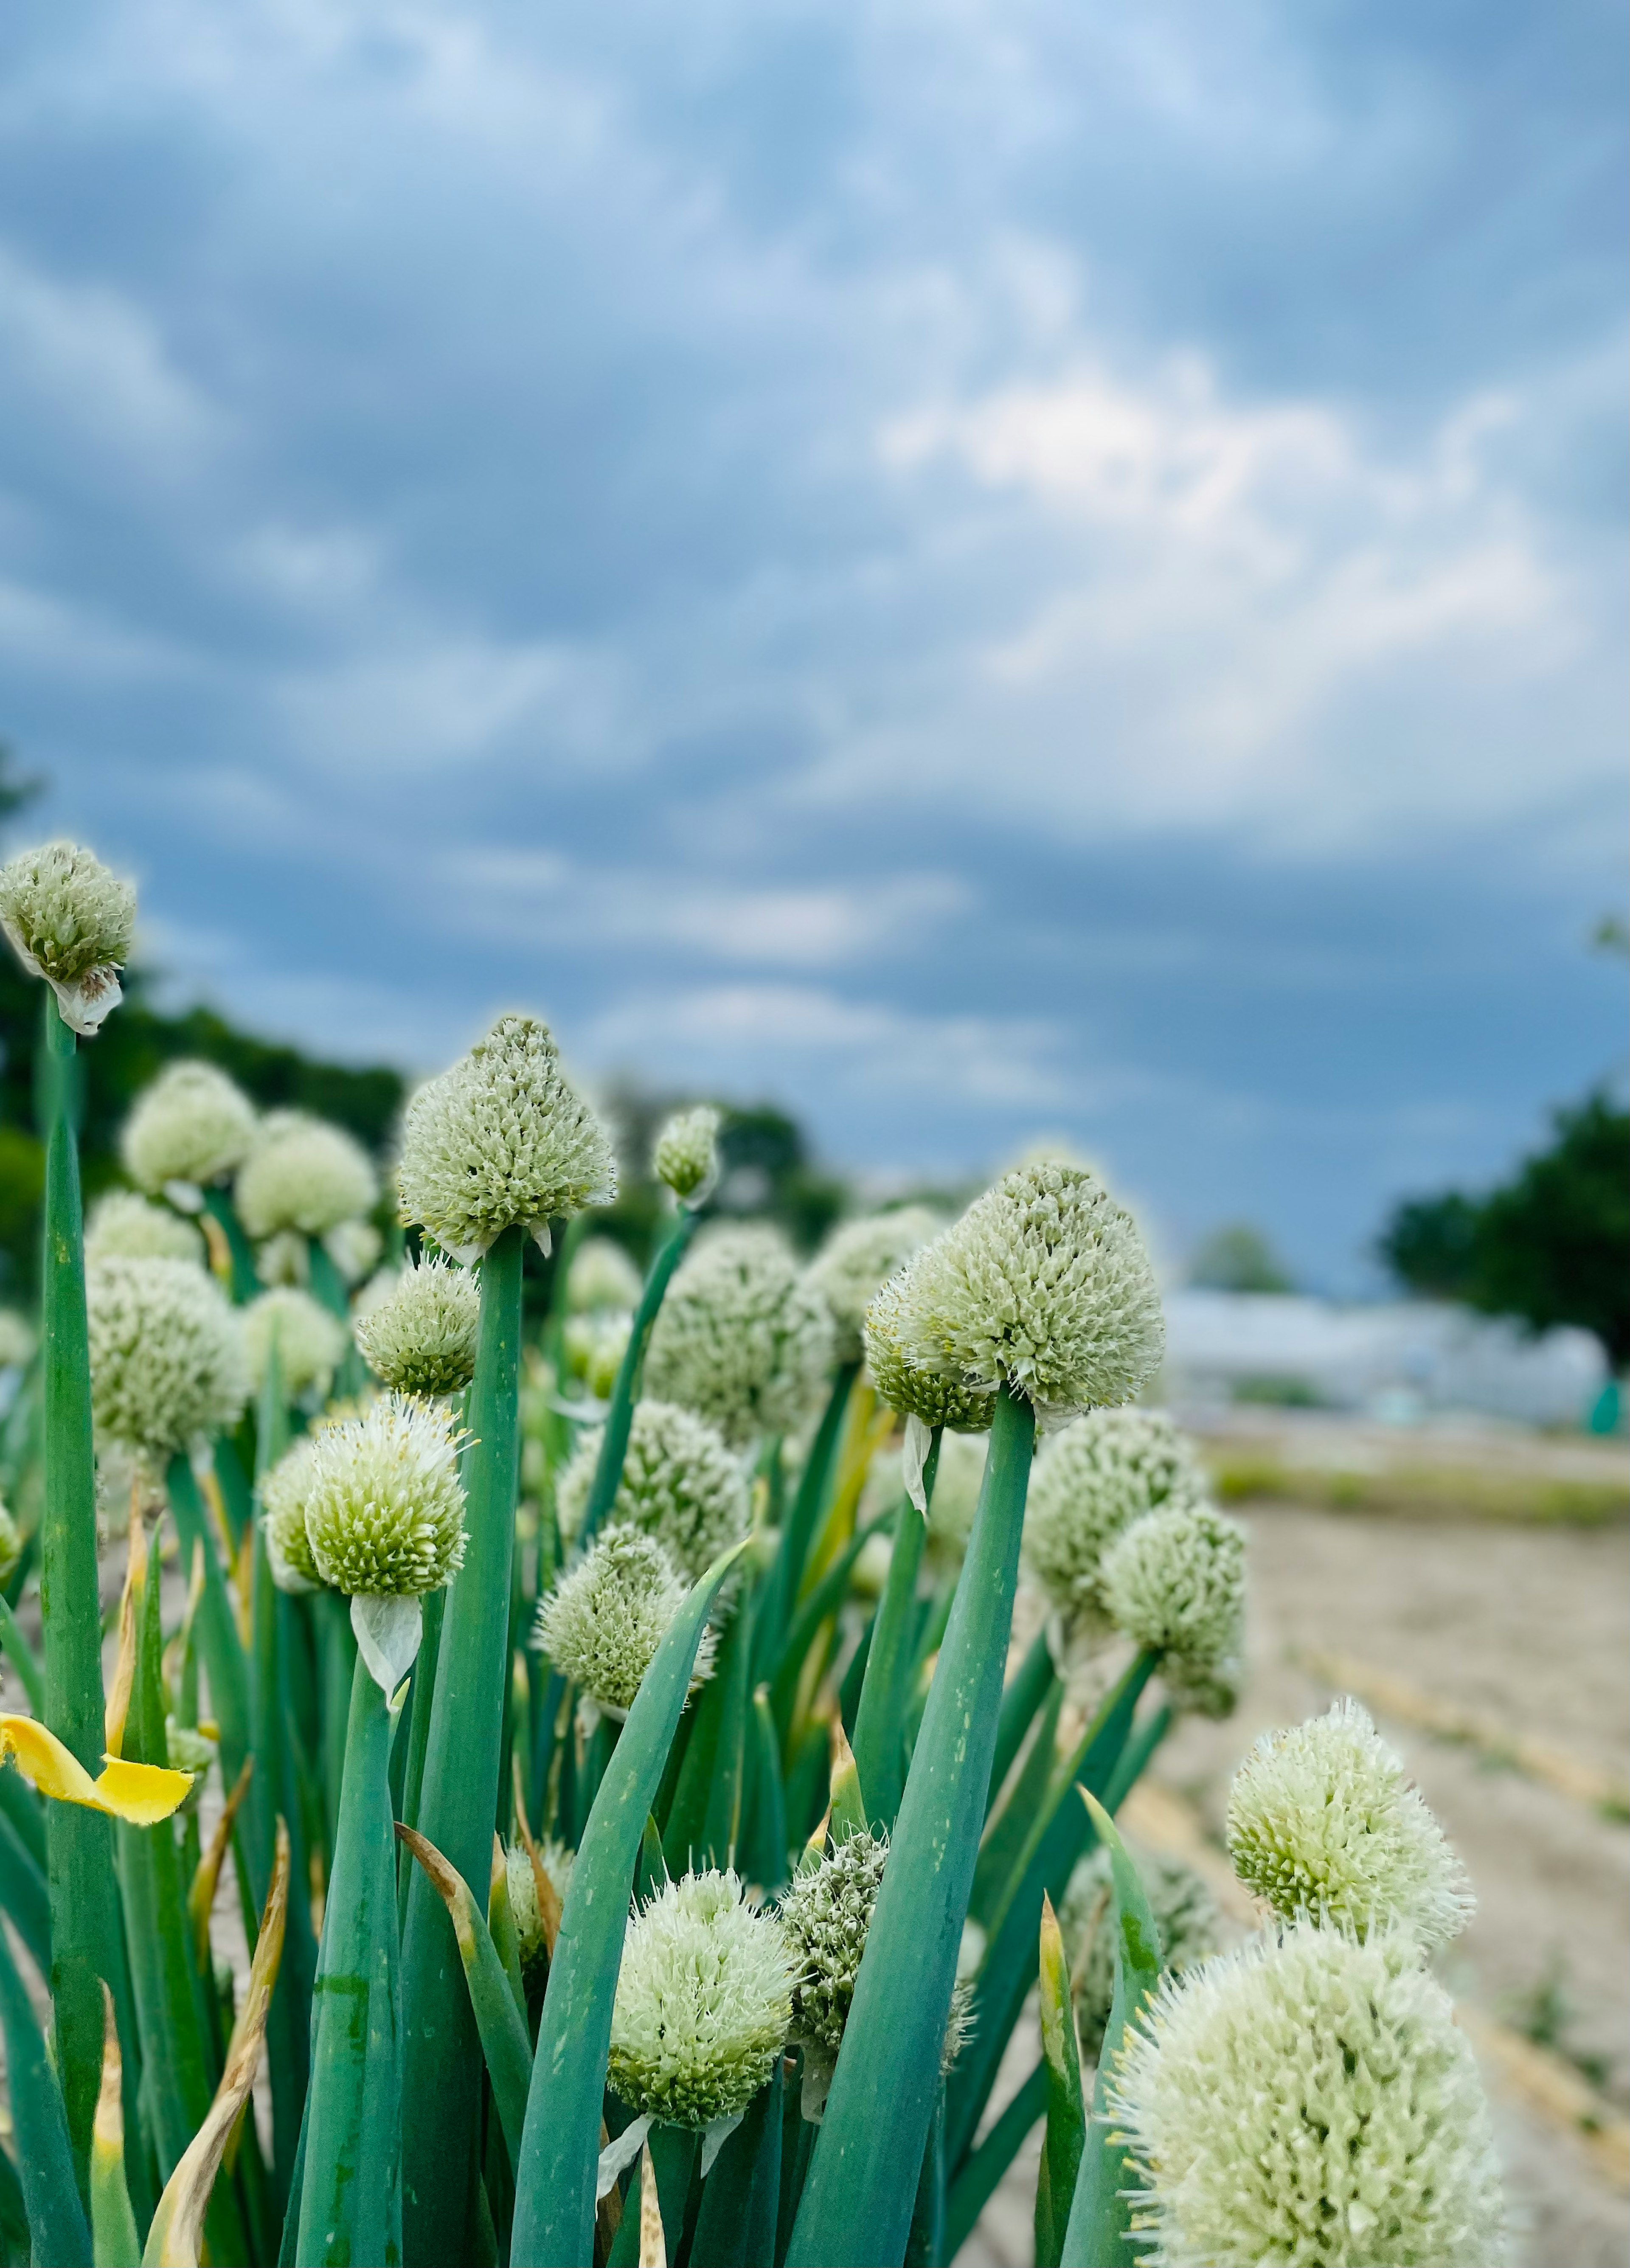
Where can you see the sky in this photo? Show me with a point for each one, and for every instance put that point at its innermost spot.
(977, 570)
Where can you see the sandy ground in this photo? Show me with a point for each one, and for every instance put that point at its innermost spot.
(1530, 1626)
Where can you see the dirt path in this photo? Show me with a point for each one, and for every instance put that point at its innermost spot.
(1528, 1627)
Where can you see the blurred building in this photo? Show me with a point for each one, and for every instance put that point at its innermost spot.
(1404, 1362)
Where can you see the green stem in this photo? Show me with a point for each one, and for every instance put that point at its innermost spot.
(58, 2230)
(880, 1720)
(87, 1938)
(23, 1659)
(858, 2202)
(246, 1283)
(625, 1393)
(786, 1573)
(273, 1791)
(350, 2198)
(458, 1799)
(419, 1703)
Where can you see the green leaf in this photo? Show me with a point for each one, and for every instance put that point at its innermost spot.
(786, 1572)
(500, 2021)
(225, 1661)
(847, 1801)
(625, 1392)
(554, 2181)
(459, 1798)
(1007, 1836)
(22, 1658)
(880, 1720)
(350, 2194)
(57, 2220)
(24, 1895)
(704, 1819)
(1066, 2110)
(1027, 1692)
(113, 2238)
(764, 1860)
(1062, 1836)
(87, 1942)
(736, 2223)
(976, 2184)
(671, 2152)
(1101, 2215)
(822, 1603)
(858, 2201)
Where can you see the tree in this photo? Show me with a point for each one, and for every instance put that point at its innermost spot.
(1238, 1258)
(1552, 1245)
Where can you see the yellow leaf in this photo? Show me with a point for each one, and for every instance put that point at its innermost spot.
(140, 1794)
(178, 2224)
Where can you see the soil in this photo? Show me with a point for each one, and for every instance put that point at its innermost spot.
(1529, 1626)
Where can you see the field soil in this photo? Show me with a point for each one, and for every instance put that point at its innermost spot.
(1524, 1629)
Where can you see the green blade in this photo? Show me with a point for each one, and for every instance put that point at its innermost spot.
(858, 2201)
(880, 1720)
(350, 2197)
(786, 1572)
(1007, 1836)
(625, 1392)
(1031, 1683)
(1062, 1835)
(822, 1603)
(977, 2182)
(500, 2019)
(554, 2225)
(87, 1940)
(1066, 2110)
(736, 2223)
(1101, 2213)
(459, 1798)
(56, 2222)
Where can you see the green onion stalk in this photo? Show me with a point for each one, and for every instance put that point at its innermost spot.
(859, 2200)
(87, 1933)
(459, 1797)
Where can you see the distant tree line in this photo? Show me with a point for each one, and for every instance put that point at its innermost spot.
(1552, 1245)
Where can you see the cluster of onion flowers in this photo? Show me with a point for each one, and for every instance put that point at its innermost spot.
(1308, 2097)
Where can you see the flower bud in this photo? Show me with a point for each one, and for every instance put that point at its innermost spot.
(284, 1492)
(826, 1912)
(680, 1484)
(302, 1174)
(931, 1396)
(1042, 1285)
(501, 1141)
(556, 1862)
(1175, 1581)
(385, 1504)
(742, 1338)
(1309, 2099)
(354, 1246)
(421, 1340)
(122, 1226)
(602, 1275)
(191, 1127)
(858, 1259)
(1187, 1918)
(605, 1618)
(71, 921)
(686, 1155)
(1323, 1822)
(1090, 1483)
(167, 1362)
(703, 2003)
(310, 1343)
(593, 1346)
